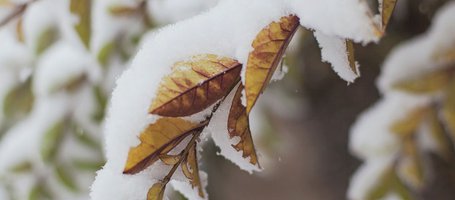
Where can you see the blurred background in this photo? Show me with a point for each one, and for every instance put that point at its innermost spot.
(304, 120)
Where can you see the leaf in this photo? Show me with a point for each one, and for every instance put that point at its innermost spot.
(105, 52)
(46, 39)
(169, 159)
(86, 165)
(190, 169)
(157, 139)
(409, 166)
(268, 49)
(101, 101)
(388, 182)
(39, 192)
(19, 101)
(156, 192)
(439, 136)
(122, 10)
(446, 55)
(83, 137)
(82, 9)
(407, 126)
(448, 109)
(52, 140)
(71, 84)
(239, 125)
(195, 85)
(428, 83)
(386, 12)
(351, 56)
(22, 167)
(64, 177)
(20, 30)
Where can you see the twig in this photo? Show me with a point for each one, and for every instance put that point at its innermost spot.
(18, 11)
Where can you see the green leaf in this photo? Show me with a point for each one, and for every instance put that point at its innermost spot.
(101, 100)
(65, 178)
(105, 52)
(22, 167)
(83, 137)
(39, 192)
(51, 141)
(19, 101)
(82, 9)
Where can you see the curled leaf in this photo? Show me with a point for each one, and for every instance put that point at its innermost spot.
(195, 85)
(190, 169)
(156, 192)
(239, 126)
(386, 11)
(82, 9)
(157, 139)
(428, 83)
(268, 49)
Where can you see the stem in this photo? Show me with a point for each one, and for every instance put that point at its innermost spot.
(18, 11)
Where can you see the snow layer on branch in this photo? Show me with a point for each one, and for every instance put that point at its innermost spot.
(334, 51)
(370, 136)
(40, 17)
(171, 11)
(367, 176)
(418, 56)
(226, 30)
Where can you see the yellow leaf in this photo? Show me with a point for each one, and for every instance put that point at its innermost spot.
(268, 49)
(439, 136)
(190, 169)
(387, 10)
(82, 9)
(428, 83)
(407, 126)
(409, 165)
(239, 125)
(446, 55)
(195, 85)
(388, 182)
(448, 109)
(156, 192)
(121, 10)
(46, 39)
(157, 139)
(351, 56)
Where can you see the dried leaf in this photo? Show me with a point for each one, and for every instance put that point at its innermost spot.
(82, 9)
(157, 139)
(51, 141)
(195, 85)
(19, 101)
(156, 192)
(190, 168)
(20, 30)
(268, 49)
(448, 109)
(439, 136)
(169, 159)
(410, 123)
(46, 39)
(409, 166)
(239, 125)
(387, 10)
(64, 177)
(428, 83)
(351, 56)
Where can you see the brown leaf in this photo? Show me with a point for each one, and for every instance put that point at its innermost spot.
(158, 139)
(268, 49)
(428, 83)
(195, 85)
(387, 10)
(156, 192)
(408, 125)
(239, 125)
(351, 56)
(190, 169)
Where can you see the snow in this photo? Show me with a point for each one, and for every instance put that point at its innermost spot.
(202, 34)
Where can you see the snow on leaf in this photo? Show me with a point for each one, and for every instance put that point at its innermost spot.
(386, 11)
(19, 100)
(158, 138)
(82, 8)
(428, 83)
(195, 85)
(52, 140)
(410, 123)
(190, 168)
(239, 126)
(156, 192)
(268, 48)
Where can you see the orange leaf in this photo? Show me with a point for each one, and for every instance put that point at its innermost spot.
(194, 85)
(239, 125)
(158, 139)
(268, 48)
